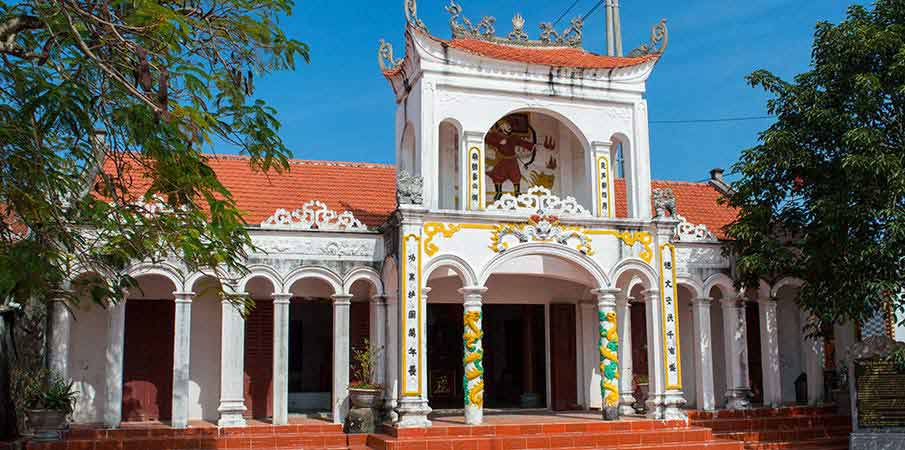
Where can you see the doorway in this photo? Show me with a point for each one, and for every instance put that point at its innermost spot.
(310, 355)
(514, 356)
(148, 360)
(563, 357)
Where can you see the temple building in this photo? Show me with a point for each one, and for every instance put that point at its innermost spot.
(517, 257)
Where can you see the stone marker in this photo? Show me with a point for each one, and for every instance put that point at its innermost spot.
(877, 389)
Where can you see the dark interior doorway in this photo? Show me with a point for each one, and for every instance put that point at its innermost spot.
(563, 357)
(259, 361)
(514, 356)
(310, 355)
(148, 360)
(755, 368)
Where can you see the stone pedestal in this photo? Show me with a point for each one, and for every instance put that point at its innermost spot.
(361, 421)
(412, 412)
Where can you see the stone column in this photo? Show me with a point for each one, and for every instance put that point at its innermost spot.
(608, 347)
(182, 344)
(341, 307)
(473, 355)
(626, 370)
(116, 327)
(60, 332)
(738, 392)
(656, 370)
(378, 336)
(281, 358)
(769, 352)
(232, 366)
(814, 352)
(392, 359)
(703, 354)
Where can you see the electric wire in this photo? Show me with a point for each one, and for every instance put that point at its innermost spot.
(563, 15)
(592, 10)
(724, 119)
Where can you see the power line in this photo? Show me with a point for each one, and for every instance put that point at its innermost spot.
(592, 11)
(561, 16)
(725, 119)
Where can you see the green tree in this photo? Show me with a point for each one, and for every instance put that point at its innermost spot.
(105, 107)
(822, 197)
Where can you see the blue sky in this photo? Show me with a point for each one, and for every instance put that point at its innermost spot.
(339, 107)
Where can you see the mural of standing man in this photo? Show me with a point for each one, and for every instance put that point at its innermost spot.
(510, 138)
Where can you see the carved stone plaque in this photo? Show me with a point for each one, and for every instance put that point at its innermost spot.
(881, 394)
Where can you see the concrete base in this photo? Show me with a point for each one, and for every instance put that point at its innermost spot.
(412, 414)
(871, 440)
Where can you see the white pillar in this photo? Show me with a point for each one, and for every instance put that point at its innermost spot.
(813, 364)
(656, 370)
(60, 332)
(738, 392)
(182, 344)
(588, 357)
(626, 370)
(608, 348)
(392, 359)
(769, 352)
(116, 327)
(232, 367)
(341, 306)
(280, 384)
(472, 335)
(703, 354)
(378, 336)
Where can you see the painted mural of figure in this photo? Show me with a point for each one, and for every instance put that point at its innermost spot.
(506, 141)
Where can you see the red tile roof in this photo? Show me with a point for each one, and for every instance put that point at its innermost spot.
(697, 202)
(367, 190)
(548, 56)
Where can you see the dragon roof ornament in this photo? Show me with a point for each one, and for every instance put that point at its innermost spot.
(411, 15)
(313, 216)
(659, 38)
(385, 58)
(462, 27)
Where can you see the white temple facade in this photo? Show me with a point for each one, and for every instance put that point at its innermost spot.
(518, 257)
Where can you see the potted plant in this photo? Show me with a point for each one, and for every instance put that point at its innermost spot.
(48, 400)
(641, 390)
(364, 392)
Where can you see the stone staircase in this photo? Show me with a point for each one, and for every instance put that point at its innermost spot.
(784, 428)
(627, 434)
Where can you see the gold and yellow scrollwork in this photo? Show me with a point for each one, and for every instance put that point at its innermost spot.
(448, 230)
(630, 238)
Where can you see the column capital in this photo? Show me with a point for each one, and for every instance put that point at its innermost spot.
(771, 301)
(649, 294)
(282, 297)
(606, 297)
(473, 291)
(379, 299)
(702, 301)
(736, 302)
(341, 299)
(183, 297)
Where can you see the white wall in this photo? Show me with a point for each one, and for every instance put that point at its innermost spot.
(204, 365)
(686, 342)
(791, 360)
(87, 363)
(718, 346)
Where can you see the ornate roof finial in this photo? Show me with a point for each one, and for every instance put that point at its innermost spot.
(659, 38)
(570, 36)
(518, 29)
(462, 27)
(484, 29)
(385, 57)
(411, 15)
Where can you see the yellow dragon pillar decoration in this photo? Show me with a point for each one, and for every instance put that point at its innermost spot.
(474, 365)
(609, 361)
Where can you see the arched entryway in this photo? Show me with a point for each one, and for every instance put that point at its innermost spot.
(148, 350)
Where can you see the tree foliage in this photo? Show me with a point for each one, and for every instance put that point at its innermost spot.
(105, 108)
(822, 197)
